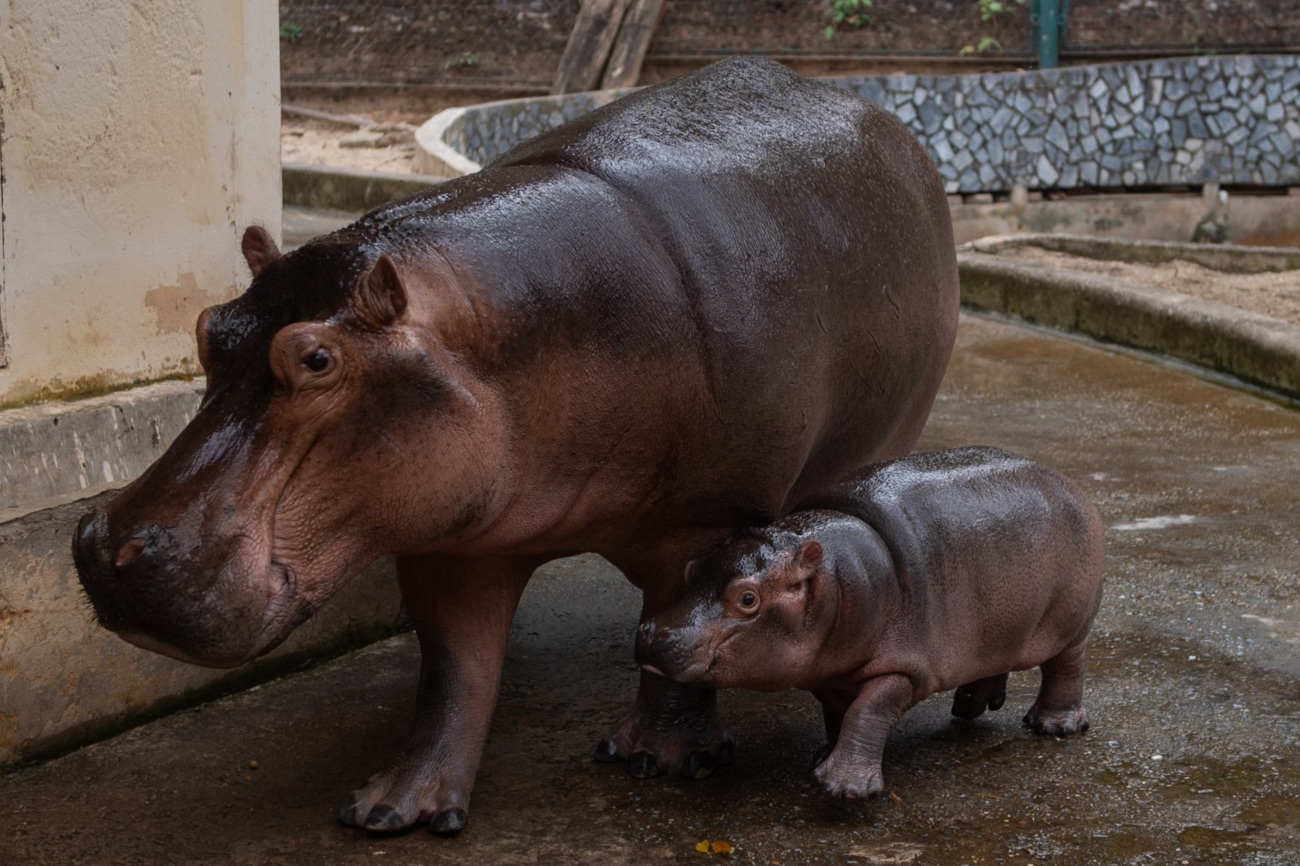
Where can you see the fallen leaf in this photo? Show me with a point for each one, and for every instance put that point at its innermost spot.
(722, 847)
(895, 799)
(702, 847)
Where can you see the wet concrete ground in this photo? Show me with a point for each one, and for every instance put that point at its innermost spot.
(1194, 691)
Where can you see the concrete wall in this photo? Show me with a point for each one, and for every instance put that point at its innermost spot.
(139, 140)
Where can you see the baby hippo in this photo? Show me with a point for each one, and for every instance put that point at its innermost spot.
(938, 571)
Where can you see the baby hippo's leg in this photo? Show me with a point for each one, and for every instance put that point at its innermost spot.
(1058, 710)
(972, 699)
(852, 770)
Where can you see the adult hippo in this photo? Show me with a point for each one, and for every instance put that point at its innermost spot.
(676, 316)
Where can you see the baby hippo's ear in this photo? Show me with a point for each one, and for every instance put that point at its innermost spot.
(692, 571)
(805, 562)
(259, 249)
(809, 554)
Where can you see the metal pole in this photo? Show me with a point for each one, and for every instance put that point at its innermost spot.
(1049, 33)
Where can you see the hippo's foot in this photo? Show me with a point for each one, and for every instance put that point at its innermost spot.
(672, 728)
(849, 778)
(1057, 723)
(394, 802)
(972, 699)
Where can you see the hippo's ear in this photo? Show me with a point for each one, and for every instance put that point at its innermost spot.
(380, 297)
(259, 249)
(809, 554)
(692, 569)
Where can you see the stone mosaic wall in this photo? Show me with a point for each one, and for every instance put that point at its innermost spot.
(486, 131)
(1228, 120)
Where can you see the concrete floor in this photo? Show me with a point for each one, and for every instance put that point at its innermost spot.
(1194, 691)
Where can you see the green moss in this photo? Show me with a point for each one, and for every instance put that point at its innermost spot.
(85, 387)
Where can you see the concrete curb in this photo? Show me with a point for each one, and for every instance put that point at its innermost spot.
(1257, 349)
(317, 186)
(59, 452)
(433, 154)
(1231, 258)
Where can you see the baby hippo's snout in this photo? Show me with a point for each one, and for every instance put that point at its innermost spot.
(666, 650)
(651, 644)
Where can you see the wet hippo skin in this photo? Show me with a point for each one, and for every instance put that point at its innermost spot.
(940, 571)
(676, 316)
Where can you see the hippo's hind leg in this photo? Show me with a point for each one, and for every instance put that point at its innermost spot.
(1058, 711)
(461, 610)
(972, 699)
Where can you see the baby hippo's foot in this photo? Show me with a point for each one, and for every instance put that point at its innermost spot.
(972, 699)
(843, 776)
(672, 728)
(1057, 723)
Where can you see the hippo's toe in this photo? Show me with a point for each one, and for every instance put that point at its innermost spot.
(449, 823)
(1057, 723)
(850, 780)
(385, 819)
(642, 765)
(672, 729)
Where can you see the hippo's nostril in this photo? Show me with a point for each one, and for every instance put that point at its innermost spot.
(129, 553)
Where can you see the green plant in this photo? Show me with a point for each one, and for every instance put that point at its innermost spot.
(1198, 35)
(852, 13)
(290, 32)
(985, 45)
(990, 9)
(461, 61)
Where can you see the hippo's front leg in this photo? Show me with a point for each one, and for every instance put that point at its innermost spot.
(852, 769)
(673, 727)
(461, 610)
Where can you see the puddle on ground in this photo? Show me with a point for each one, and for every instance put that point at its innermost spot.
(1162, 522)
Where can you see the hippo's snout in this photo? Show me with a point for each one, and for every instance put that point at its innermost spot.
(122, 580)
(85, 544)
(671, 652)
(217, 607)
(644, 651)
(101, 569)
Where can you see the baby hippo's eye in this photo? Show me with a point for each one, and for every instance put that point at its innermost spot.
(318, 361)
(747, 602)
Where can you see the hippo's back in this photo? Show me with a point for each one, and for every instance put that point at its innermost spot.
(977, 510)
(762, 184)
(810, 250)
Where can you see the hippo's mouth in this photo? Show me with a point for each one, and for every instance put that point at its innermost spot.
(284, 610)
(697, 668)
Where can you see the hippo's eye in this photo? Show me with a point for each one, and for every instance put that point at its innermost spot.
(318, 361)
(747, 602)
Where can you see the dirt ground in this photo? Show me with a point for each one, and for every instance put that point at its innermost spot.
(317, 143)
